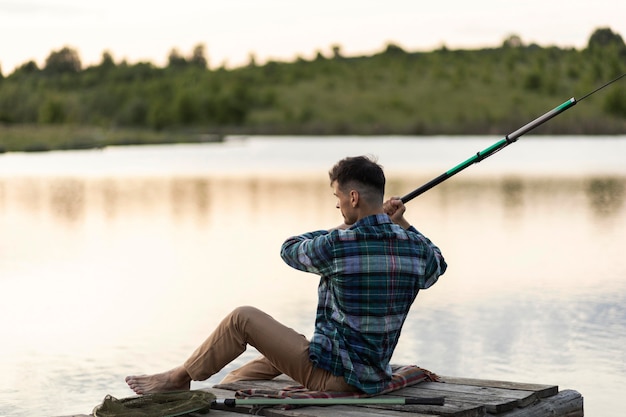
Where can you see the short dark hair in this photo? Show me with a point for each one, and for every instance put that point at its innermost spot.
(361, 170)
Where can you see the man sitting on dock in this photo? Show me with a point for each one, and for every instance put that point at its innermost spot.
(371, 267)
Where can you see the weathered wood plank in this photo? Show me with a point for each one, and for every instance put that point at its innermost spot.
(213, 413)
(337, 411)
(567, 403)
(542, 390)
(374, 410)
(523, 398)
(449, 409)
(493, 404)
(219, 413)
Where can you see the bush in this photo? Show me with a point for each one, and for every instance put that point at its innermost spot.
(615, 102)
(52, 111)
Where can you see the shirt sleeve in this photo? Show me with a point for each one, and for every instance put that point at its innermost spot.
(435, 263)
(309, 252)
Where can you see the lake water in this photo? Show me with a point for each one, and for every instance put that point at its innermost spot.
(122, 260)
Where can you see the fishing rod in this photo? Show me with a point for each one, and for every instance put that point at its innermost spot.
(234, 402)
(506, 141)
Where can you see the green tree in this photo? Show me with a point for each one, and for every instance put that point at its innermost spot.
(176, 60)
(513, 41)
(106, 63)
(252, 60)
(605, 37)
(337, 51)
(27, 68)
(198, 57)
(394, 49)
(65, 60)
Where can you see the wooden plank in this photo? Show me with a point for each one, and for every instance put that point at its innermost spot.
(493, 404)
(567, 403)
(523, 398)
(337, 411)
(220, 413)
(213, 413)
(448, 410)
(541, 390)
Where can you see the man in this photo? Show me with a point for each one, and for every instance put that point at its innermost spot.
(371, 267)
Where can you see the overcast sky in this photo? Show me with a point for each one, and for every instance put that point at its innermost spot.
(142, 30)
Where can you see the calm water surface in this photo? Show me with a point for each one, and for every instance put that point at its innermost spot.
(122, 260)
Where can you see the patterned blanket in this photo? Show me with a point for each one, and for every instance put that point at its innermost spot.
(402, 377)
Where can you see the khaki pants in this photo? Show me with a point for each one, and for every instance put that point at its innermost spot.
(284, 351)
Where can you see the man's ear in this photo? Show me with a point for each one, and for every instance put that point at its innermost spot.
(354, 198)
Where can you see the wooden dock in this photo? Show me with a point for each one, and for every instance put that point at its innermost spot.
(464, 397)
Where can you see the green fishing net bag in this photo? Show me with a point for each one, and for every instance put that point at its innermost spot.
(166, 404)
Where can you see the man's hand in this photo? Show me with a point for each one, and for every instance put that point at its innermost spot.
(394, 207)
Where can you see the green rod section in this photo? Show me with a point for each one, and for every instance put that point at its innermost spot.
(487, 152)
(478, 157)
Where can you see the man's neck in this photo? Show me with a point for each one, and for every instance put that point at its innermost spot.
(369, 211)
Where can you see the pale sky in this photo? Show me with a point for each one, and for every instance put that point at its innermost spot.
(142, 30)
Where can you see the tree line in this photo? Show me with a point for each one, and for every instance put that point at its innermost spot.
(483, 91)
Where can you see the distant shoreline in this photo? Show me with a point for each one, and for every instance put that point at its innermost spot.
(32, 138)
(491, 91)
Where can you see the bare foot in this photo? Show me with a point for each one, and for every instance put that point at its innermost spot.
(176, 379)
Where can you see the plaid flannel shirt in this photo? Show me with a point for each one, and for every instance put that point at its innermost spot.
(370, 276)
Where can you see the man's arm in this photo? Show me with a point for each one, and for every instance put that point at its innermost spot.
(436, 264)
(307, 252)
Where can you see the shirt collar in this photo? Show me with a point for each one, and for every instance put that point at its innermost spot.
(373, 220)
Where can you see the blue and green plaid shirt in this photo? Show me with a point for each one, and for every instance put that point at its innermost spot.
(370, 276)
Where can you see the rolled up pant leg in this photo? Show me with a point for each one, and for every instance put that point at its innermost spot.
(286, 350)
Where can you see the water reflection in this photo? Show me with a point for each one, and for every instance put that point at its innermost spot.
(194, 198)
(512, 190)
(190, 197)
(109, 198)
(606, 195)
(2, 194)
(67, 199)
